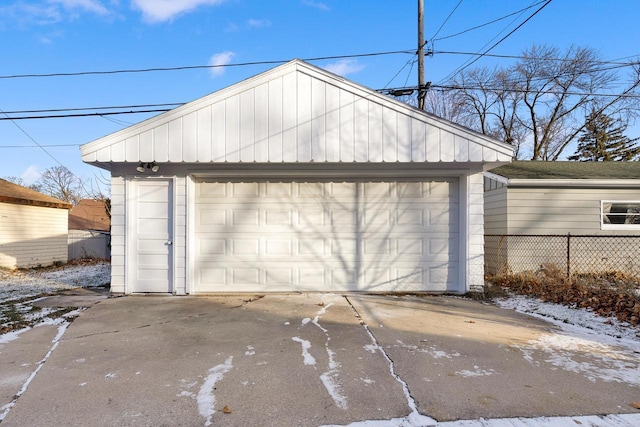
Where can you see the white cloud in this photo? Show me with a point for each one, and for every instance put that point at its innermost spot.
(222, 58)
(317, 5)
(249, 24)
(344, 67)
(27, 14)
(258, 23)
(93, 6)
(166, 10)
(30, 175)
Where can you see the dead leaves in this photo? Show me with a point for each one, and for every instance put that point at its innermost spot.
(226, 409)
(610, 294)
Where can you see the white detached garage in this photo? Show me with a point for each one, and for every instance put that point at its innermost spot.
(296, 180)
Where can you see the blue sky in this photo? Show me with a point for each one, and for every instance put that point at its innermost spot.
(67, 36)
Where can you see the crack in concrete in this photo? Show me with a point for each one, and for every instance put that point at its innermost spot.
(411, 402)
(56, 341)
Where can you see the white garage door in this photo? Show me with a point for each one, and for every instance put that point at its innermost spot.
(326, 236)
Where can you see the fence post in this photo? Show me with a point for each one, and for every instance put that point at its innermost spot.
(568, 255)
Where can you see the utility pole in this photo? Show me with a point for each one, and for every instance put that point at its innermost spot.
(421, 87)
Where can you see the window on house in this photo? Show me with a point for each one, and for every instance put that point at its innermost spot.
(620, 214)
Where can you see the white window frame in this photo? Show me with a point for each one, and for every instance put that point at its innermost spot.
(608, 226)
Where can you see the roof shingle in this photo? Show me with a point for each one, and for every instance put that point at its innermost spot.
(569, 170)
(17, 194)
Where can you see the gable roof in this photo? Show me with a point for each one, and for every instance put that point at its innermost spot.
(565, 173)
(295, 113)
(19, 195)
(89, 214)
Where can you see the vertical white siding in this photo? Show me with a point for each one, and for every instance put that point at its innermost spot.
(475, 232)
(117, 234)
(297, 114)
(276, 116)
(31, 236)
(298, 118)
(180, 236)
(261, 134)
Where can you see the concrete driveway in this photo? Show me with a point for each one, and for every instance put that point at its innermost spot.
(300, 360)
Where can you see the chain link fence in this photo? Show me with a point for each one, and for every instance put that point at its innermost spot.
(575, 254)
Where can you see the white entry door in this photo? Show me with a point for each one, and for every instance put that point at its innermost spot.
(150, 239)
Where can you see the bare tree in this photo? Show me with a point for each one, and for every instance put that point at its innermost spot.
(20, 181)
(449, 105)
(61, 183)
(99, 188)
(538, 104)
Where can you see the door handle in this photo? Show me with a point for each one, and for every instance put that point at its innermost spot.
(169, 242)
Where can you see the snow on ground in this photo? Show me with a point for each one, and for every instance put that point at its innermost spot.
(19, 289)
(614, 341)
(578, 328)
(19, 284)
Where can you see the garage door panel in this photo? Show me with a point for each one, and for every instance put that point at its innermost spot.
(325, 236)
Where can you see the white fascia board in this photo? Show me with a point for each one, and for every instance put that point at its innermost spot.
(495, 177)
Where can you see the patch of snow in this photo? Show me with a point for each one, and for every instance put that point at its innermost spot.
(477, 372)
(56, 341)
(110, 376)
(626, 420)
(431, 351)
(306, 356)
(371, 348)
(316, 319)
(565, 317)
(306, 320)
(206, 399)
(330, 381)
(600, 362)
(250, 351)
(20, 284)
(610, 347)
(13, 335)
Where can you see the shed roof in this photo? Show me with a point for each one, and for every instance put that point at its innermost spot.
(19, 195)
(295, 113)
(563, 170)
(89, 214)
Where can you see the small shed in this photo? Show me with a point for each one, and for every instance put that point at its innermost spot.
(33, 227)
(296, 180)
(89, 230)
(598, 203)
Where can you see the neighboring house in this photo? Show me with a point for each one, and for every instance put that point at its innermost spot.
(89, 226)
(33, 227)
(562, 198)
(296, 180)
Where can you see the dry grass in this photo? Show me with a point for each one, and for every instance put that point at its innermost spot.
(607, 294)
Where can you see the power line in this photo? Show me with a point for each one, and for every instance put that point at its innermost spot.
(196, 67)
(485, 24)
(33, 140)
(460, 69)
(111, 107)
(494, 55)
(446, 20)
(547, 92)
(109, 113)
(36, 146)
